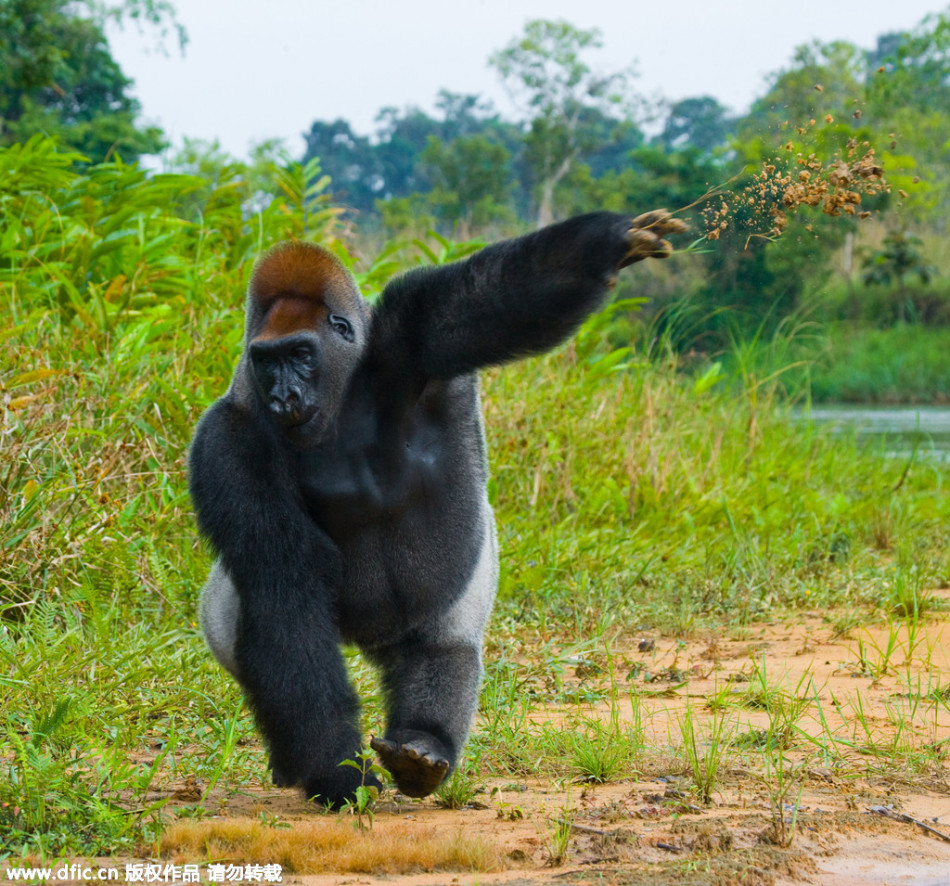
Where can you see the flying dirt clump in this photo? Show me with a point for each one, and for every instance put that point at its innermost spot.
(782, 185)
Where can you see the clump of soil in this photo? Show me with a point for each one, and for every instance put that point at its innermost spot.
(787, 182)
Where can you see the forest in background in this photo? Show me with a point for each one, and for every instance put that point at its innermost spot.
(587, 140)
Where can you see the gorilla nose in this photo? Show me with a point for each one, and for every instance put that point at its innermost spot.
(286, 406)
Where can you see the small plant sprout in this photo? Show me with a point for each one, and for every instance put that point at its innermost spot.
(365, 795)
(557, 836)
(460, 788)
(780, 780)
(908, 596)
(604, 751)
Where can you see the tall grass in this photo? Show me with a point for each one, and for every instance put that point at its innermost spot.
(625, 490)
(906, 363)
(847, 363)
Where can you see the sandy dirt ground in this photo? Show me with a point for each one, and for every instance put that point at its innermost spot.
(867, 785)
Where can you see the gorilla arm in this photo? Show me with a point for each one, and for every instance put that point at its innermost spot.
(512, 299)
(286, 574)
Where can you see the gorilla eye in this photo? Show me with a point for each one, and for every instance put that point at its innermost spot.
(342, 326)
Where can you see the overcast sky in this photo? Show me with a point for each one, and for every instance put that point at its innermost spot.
(258, 69)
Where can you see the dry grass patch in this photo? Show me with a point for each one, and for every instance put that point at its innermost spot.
(330, 846)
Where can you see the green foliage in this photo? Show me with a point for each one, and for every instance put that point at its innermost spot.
(701, 123)
(101, 272)
(405, 216)
(904, 364)
(908, 91)
(470, 176)
(349, 159)
(602, 752)
(556, 838)
(628, 492)
(823, 78)
(90, 723)
(559, 90)
(370, 173)
(461, 787)
(899, 257)
(650, 176)
(57, 77)
(578, 148)
(366, 794)
(706, 753)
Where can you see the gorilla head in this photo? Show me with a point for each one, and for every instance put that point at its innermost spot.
(306, 331)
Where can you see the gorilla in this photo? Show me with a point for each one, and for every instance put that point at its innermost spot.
(341, 483)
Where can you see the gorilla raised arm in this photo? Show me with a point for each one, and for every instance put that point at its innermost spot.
(341, 483)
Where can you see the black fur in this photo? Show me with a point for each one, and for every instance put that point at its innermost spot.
(342, 486)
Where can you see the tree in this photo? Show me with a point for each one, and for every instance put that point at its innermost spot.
(369, 171)
(58, 76)
(470, 177)
(651, 176)
(610, 141)
(544, 72)
(908, 93)
(916, 67)
(464, 114)
(814, 109)
(900, 256)
(403, 136)
(349, 159)
(823, 78)
(700, 122)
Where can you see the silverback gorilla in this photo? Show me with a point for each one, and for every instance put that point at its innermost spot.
(341, 482)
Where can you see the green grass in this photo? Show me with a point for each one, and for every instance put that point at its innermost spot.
(905, 363)
(628, 494)
(818, 357)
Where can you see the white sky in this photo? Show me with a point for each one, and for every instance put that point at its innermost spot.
(258, 70)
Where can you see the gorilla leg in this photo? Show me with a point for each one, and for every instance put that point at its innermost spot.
(432, 694)
(219, 609)
(431, 680)
(303, 702)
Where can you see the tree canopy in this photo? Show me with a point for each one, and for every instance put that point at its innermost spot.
(579, 142)
(58, 76)
(565, 99)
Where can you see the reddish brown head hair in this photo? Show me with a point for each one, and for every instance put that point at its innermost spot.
(292, 284)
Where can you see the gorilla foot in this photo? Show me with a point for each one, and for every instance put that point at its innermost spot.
(645, 238)
(418, 765)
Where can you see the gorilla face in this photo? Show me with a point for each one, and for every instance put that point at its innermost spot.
(301, 378)
(286, 373)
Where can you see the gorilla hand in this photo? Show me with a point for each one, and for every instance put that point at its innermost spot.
(645, 238)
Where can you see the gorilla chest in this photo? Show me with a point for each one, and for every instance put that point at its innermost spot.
(344, 491)
(395, 459)
(406, 521)
(357, 484)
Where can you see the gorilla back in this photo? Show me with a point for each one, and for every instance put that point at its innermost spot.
(341, 482)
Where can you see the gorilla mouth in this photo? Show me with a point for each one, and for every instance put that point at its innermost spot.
(306, 429)
(295, 417)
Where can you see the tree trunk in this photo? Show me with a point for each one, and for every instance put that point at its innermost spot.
(546, 206)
